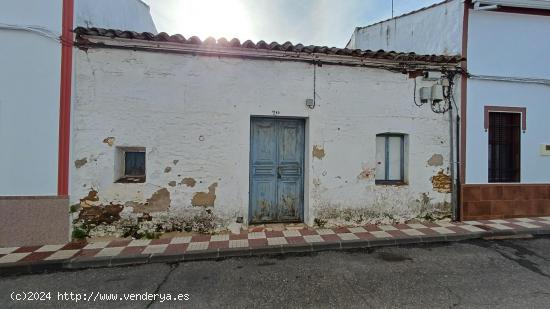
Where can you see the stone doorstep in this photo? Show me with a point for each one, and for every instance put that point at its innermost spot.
(24, 260)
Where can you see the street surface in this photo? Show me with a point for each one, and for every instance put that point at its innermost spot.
(477, 274)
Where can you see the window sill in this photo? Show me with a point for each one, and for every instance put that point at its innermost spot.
(131, 179)
(397, 183)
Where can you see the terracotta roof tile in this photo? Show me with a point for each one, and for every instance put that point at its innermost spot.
(287, 46)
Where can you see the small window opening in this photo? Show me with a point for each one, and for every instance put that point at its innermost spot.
(131, 167)
(390, 159)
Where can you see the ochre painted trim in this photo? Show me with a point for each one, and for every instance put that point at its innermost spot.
(65, 98)
(505, 109)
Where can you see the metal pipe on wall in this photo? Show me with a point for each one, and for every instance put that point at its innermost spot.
(454, 204)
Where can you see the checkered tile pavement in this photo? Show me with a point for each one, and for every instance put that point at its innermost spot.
(259, 239)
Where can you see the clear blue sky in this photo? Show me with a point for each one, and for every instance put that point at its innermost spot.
(319, 22)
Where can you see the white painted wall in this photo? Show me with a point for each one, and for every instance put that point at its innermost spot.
(166, 102)
(120, 14)
(46, 14)
(436, 30)
(509, 45)
(534, 167)
(29, 97)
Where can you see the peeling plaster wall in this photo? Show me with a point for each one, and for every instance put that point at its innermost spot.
(192, 114)
(437, 30)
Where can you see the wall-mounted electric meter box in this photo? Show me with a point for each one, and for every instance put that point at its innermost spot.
(545, 150)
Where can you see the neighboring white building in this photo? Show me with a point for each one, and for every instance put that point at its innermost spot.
(204, 135)
(506, 97)
(131, 15)
(30, 96)
(436, 29)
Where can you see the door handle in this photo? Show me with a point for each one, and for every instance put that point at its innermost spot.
(278, 172)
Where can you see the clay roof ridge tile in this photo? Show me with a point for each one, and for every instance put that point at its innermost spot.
(275, 46)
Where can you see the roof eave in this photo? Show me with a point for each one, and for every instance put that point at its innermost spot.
(90, 41)
(527, 4)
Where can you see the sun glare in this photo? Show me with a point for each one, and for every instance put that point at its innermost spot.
(216, 18)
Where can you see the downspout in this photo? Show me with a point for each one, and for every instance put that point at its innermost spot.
(454, 201)
(463, 106)
(458, 184)
(65, 98)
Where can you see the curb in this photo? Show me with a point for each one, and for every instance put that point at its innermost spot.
(78, 263)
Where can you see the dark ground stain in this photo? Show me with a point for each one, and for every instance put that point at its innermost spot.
(392, 257)
(520, 254)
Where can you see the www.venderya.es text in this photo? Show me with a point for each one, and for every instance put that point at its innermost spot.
(44, 296)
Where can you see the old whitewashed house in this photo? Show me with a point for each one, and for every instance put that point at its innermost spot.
(174, 133)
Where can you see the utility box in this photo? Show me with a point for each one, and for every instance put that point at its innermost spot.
(545, 150)
(437, 93)
(425, 94)
(432, 75)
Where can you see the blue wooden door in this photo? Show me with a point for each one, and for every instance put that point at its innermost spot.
(276, 170)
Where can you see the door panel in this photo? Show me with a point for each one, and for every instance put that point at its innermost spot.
(264, 146)
(263, 168)
(289, 195)
(276, 180)
(264, 192)
(290, 163)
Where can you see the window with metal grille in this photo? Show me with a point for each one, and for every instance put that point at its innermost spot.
(504, 147)
(390, 158)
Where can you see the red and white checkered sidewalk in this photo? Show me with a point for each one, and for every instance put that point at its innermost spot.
(260, 239)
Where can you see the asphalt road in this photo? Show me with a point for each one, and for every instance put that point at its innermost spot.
(477, 274)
